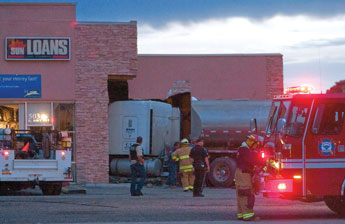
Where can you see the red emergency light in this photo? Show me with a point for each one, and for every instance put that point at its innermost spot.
(264, 154)
(281, 186)
(63, 154)
(6, 154)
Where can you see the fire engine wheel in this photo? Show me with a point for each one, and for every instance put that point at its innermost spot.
(336, 204)
(222, 171)
(51, 188)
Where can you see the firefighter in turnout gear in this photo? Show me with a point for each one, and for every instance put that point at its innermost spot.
(181, 155)
(246, 160)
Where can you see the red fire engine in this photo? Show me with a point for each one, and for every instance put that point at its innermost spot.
(305, 147)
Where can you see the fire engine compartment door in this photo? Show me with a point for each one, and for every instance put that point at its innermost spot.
(324, 148)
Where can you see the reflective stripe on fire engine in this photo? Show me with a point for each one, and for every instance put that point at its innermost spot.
(325, 165)
(292, 165)
(325, 160)
(313, 163)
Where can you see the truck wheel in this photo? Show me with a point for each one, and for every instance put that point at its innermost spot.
(336, 204)
(222, 171)
(51, 188)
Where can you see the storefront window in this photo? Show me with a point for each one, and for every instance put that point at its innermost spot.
(9, 116)
(39, 114)
(64, 116)
(64, 123)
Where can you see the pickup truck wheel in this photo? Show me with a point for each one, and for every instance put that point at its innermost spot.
(222, 171)
(51, 188)
(336, 204)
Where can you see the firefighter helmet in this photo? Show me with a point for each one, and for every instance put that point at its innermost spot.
(254, 138)
(184, 141)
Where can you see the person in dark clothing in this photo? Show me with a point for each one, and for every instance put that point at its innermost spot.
(199, 157)
(172, 166)
(137, 168)
(247, 158)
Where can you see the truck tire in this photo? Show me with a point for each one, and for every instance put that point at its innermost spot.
(222, 171)
(51, 188)
(336, 204)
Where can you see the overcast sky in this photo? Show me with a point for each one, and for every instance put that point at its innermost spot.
(309, 34)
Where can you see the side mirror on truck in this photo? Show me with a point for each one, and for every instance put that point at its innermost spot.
(253, 126)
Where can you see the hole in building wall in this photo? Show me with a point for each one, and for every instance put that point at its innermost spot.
(117, 90)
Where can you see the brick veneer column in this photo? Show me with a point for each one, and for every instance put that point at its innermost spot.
(100, 50)
(275, 82)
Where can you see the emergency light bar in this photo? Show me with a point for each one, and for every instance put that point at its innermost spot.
(304, 89)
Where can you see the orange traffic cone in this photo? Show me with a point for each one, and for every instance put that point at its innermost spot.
(25, 148)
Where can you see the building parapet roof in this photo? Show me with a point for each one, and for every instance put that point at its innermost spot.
(133, 23)
(209, 55)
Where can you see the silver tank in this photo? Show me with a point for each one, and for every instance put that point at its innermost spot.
(225, 123)
(121, 166)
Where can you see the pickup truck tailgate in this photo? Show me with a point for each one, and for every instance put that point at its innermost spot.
(34, 164)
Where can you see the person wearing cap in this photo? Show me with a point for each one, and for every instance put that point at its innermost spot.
(246, 160)
(186, 168)
(199, 158)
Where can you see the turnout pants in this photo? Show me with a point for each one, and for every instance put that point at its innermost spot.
(245, 195)
(187, 180)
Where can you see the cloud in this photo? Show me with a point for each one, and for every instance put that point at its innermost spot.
(242, 35)
(301, 39)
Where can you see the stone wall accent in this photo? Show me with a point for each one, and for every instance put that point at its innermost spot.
(101, 49)
(275, 82)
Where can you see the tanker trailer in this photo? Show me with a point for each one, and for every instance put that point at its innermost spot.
(224, 126)
(157, 122)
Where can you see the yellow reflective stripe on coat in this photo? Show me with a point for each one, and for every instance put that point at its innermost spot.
(239, 215)
(175, 158)
(184, 157)
(248, 215)
(186, 167)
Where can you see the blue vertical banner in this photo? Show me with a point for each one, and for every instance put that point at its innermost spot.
(20, 86)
